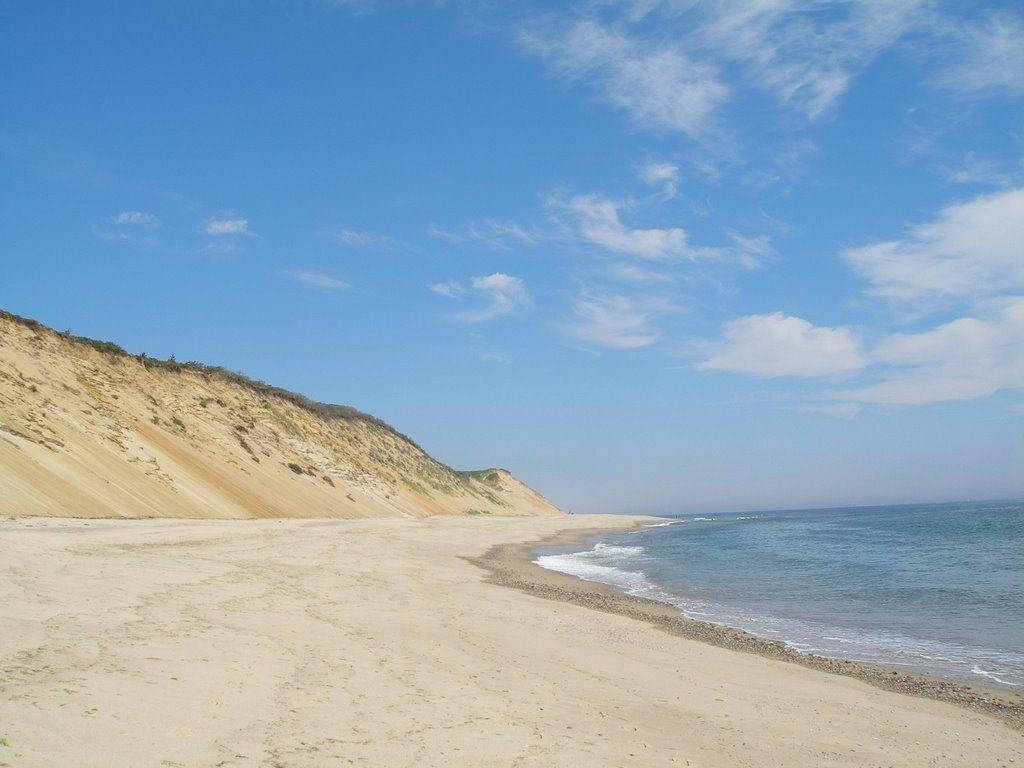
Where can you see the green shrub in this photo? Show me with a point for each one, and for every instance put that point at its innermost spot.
(248, 449)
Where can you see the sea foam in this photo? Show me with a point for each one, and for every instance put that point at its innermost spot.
(603, 564)
(891, 585)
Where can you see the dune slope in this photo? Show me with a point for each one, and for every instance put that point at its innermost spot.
(87, 430)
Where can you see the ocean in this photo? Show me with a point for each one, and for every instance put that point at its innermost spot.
(932, 588)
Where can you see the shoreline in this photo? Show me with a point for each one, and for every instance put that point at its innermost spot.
(310, 643)
(511, 565)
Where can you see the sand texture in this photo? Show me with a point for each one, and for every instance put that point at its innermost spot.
(513, 565)
(379, 643)
(87, 430)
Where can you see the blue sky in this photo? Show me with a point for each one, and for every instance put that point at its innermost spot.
(651, 256)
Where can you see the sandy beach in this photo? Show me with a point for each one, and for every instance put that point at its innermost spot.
(513, 565)
(382, 643)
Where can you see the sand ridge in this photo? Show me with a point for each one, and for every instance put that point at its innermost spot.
(87, 430)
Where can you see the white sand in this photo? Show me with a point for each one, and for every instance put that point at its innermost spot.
(309, 643)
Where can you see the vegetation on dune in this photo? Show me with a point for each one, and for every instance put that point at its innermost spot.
(378, 441)
(487, 476)
(248, 449)
(215, 413)
(324, 410)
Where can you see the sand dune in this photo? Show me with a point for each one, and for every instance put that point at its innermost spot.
(87, 430)
(377, 643)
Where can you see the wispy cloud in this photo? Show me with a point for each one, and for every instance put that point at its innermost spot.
(352, 238)
(128, 235)
(977, 170)
(658, 86)
(971, 250)
(750, 251)
(491, 233)
(491, 357)
(134, 228)
(775, 345)
(451, 290)
(964, 359)
(664, 176)
(805, 52)
(597, 220)
(990, 59)
(969, 253)
(318, 280)
(502, 295)
(227, 227)
(616, 321)
(220, 248)
(632, 272)
(137, 219)
(665, 63)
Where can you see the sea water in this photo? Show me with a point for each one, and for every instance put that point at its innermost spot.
(934, 588)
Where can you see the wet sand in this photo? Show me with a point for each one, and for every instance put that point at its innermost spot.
(512, 565)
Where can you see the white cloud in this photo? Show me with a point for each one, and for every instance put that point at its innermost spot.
(597, 221)
(773, 345)
(137, 218)
(227, 227)
(665, 176)
(356, 239)
(220, 249)
(991, 58)
(130, 235)
(318, 280)
(967, 358)
(135, 228)
(491, 357)
(750, 251)
(977, 170)
(451, 290)
(616, 321)
(631, 272)
(965, 338)
(960, 360)
(661, 62)
(972, 250)
(491, 233)
(805, 52)
(658, 86)
(503, 294)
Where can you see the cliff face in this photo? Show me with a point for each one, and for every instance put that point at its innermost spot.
(87, 430)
